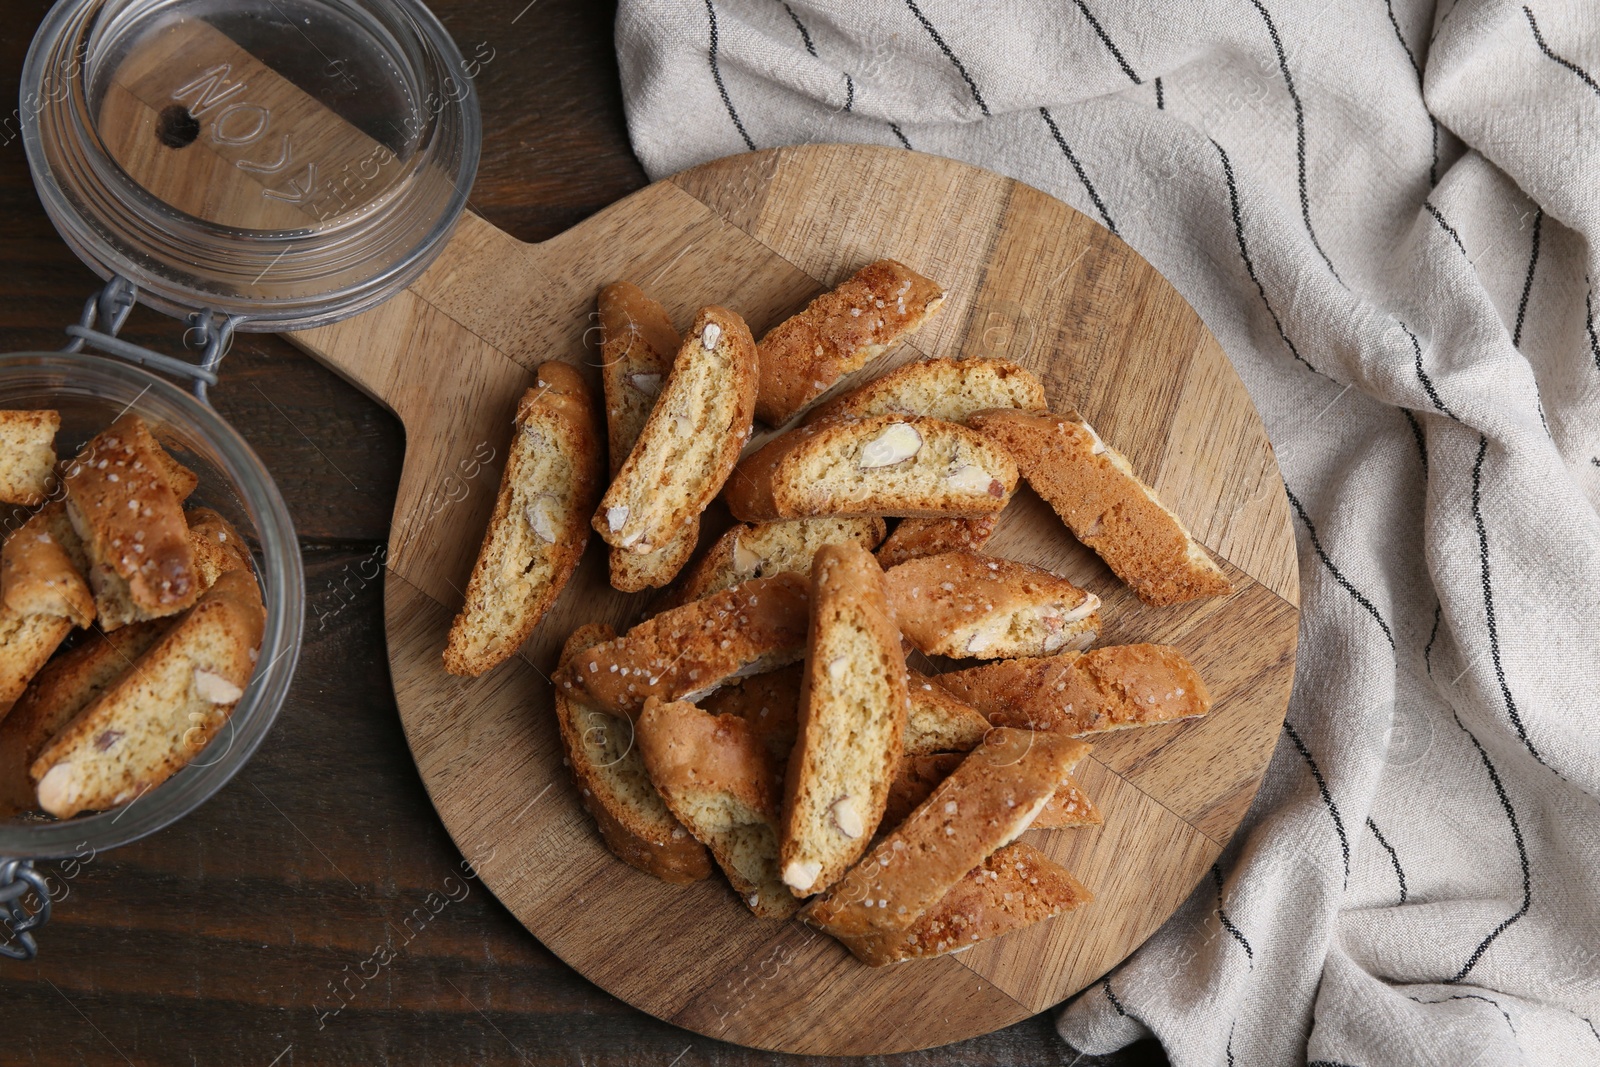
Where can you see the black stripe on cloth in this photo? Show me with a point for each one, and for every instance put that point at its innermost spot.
(1327, 797)
(1227, 923)
(1433, 170)
(951, 56)
(716, 73)
(1522, 857)
(1471, 996)
(1592, 1030)
(1488, 600)
(1161, 97)
(1427, 653)
(1244, 252)
(1422, 375)
(1416, 432)
(1573, 67)
(1105, 984)
(1230, 1041)
(1527, 284)
(1116, 53)
(1449, 229)
(1061, 143)
(1338, 575)
(1327, 1063)
(805, 34)
(1394, 858)
(849, 93)
(1300, 135)
(897, 132)
(1588, 322)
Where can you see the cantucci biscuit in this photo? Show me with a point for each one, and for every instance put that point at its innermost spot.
(948, 389)
(839, 332)
(1110, 688)
(1012, 889)
(27, 455)
(44, 596)
(901, 465)
(1094, 489)
(985, 803)
(915, 538)
(216, 545)
(163, 711)
(686, 652)
(770, 703)
(965, 605)
(918, 776)
(938, 721)
(637, 347)
(851, 725)
(539, 526)
(614, 788)
(768, 548)
(716, 778)
(691, 440)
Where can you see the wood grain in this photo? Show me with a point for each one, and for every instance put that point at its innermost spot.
(1029, 278)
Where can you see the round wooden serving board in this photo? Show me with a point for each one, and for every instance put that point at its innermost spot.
(1029, 279)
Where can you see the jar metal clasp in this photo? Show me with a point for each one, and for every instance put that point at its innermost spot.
(103, 317)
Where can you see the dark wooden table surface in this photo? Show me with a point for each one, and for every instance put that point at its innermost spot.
(231, 937)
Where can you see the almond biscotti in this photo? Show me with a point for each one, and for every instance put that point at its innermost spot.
(770, 703)
(216, 545)
(27, 455)
(1094, 489)
(637, 347)
(686, 652)
(691, 440)
(948, 389)
(44, 596)
(746, 552)
(163, 711)
(716, 778)
(915, 538)
(852, 722)
(839, 332)
(1110, 688)
(614, 787)
(540, 523)
(1016, 887)
(988, 800)
(918, 776)
(938, 721)
(65, 686)
(901, 465)
(965, 605)
(124, 499)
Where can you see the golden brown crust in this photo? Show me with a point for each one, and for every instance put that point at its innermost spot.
(634, 572)
(216, 545)
(131, 521)
(650, 840)
(917, 777)
(770, 703)
(1106, 506)
(777, 482)
(691, 440)
(938, 722)
(1069, 807)
(26, 645)
(1110, 688)
(637, 347)
(559, 409)
(990, 798)
(37, 573)
(915, 538)
(690, 650)
(1014, 888)
(757, 551)
(838, 332)
(944, 388)
(964, 605)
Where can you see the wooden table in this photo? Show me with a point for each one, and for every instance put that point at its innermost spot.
(246, 933)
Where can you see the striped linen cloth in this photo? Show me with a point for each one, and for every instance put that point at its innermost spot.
(1386, 213)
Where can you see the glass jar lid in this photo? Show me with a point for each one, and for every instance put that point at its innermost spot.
(291, 162)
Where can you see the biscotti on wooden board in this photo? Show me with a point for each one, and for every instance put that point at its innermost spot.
(1094, 489)
(716, 778)
(540, 522)
(983, 805)
(614, 787)
(686, 652)
(1111, 688)
(27, 455)
(918, 776)
(902, 465)
(852, 721)
(768, 548)
(691, 440)
(965, 605)
(948, 389)
(839, 332)
(1014, 888)
(637, 348)
(163, 711)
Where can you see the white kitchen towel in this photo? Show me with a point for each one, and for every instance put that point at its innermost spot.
(1386, 213)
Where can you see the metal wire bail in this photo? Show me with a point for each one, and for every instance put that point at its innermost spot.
(17, 879)
(209, 331)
